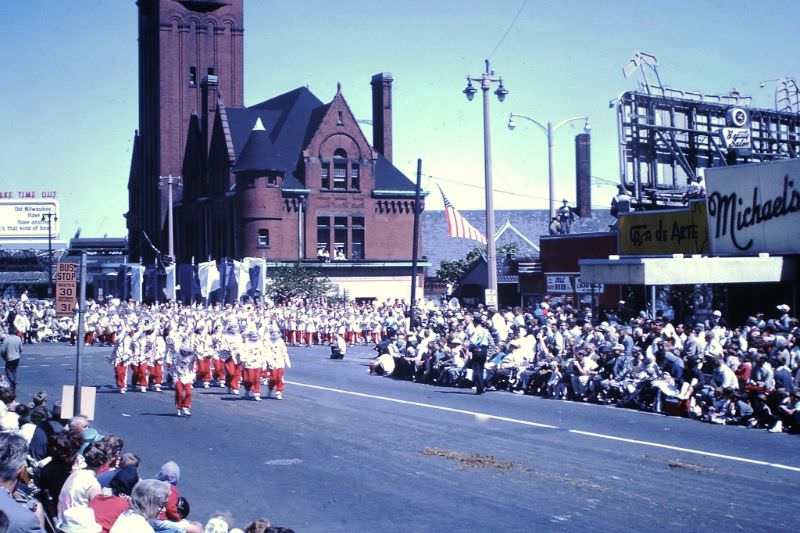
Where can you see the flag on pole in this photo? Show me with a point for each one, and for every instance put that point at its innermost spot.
(242, 277)
(170, 285)
(137, 279)
(458, 226)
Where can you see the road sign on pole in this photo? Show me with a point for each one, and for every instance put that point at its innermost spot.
(66, 288)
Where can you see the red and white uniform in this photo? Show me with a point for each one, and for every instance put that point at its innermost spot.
(277, 361)
(184, 367)
(253, 363)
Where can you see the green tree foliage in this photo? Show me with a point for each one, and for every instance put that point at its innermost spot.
(453, 271)
(297, 281)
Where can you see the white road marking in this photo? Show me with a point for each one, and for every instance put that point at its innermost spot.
(479, 416)
(486, 416)
(685, 450)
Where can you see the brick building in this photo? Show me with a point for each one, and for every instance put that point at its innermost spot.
(181, 43)
(290, 179)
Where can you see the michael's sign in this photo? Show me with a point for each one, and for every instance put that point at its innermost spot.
(754, 208)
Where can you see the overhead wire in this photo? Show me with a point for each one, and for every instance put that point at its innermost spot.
(505, 34)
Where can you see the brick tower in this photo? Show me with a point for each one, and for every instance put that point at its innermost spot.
(187, 48)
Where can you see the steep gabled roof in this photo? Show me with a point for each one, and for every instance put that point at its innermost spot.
(286, 119)
(389, 178)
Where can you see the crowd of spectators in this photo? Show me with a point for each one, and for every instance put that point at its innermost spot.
(64, 477)
(746, 375)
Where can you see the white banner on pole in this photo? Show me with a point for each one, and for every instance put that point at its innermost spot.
(209, 277)
(137, 279)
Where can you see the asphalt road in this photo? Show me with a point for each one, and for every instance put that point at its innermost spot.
(346, 451)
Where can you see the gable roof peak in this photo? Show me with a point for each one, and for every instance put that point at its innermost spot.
(259, 126)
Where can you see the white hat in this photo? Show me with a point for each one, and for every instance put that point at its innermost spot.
(783, 307)
(717, 312)
(79, 520)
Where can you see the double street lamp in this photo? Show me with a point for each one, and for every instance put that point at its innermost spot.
(549, 130)
(486, 79)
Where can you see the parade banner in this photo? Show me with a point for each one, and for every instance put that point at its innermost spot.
(169, 286)
(257, 268)
(241, 277)
(209, 278)
(673, 231)
(754, 208)
(137, 280)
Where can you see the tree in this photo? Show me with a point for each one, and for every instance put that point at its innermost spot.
(297, 281)
(453, 271)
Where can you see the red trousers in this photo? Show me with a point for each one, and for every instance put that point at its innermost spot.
(233, 373)
(252, 379)
(219, 369)
(204, 370)
(121, 374)
(183, 394)
(276, 379)
(140, 374)
(156, 373)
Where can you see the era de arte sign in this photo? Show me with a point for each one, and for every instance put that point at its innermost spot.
(24, 218)
(754, 208)
(672, 231)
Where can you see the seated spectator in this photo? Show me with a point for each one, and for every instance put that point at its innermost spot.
(20, 517)
(81, 486)
(63, 449)
(260, 525)
(107, 508)
(79, 520)
(114, 446)
(171, 473)
(148, 497)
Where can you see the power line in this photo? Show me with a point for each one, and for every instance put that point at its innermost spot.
(499, 191)
(503, 38)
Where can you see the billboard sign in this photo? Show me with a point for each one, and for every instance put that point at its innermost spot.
(25, 218)
(673, 231)
(559, 284)
(754, 208)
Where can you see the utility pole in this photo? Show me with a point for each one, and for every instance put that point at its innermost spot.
(49, 216)
(415, 241)
(81, 334)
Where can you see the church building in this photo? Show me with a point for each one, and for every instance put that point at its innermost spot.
(290, 179)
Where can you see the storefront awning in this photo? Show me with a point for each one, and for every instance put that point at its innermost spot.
(688, 270)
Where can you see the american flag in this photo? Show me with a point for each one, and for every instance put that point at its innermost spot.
(458, 226)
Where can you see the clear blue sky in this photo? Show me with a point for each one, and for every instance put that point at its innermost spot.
(70, 83)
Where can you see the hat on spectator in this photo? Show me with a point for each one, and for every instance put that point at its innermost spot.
(216, 525)
(170, 471)
(79, 520)
(717, 312)
(783, 307)
(619, 347)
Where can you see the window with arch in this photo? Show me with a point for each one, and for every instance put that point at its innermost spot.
(339, 170)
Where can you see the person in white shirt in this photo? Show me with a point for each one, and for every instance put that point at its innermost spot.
(82, 485)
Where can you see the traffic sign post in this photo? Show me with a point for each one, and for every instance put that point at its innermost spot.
(66, 289)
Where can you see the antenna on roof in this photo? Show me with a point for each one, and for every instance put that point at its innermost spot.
(338, 87)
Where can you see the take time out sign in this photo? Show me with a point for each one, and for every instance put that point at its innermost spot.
(24, 218)
(754, 208)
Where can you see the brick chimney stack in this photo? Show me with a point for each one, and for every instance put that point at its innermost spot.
(209, 87)
(583, 175)
(382, 113)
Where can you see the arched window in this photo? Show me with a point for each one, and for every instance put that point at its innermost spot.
(339, 169)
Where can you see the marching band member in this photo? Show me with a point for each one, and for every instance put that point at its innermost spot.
(125, 352)
(277, 360)
(185, 368)
(253, 363)
(231, 350)
(205, 354)
(155, 364)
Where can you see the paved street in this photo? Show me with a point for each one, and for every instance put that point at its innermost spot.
(351, 452)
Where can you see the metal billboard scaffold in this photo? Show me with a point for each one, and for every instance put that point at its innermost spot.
(667, 137)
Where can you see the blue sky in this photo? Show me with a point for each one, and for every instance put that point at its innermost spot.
(70, 84)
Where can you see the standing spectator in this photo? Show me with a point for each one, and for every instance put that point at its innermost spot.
(21, 518)
(11, 350)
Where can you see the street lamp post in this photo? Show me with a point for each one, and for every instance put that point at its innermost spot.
(49, 217)
(486, 80)
(170, 181)
(549, 130)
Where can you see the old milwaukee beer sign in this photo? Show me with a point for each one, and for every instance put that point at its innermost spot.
(754, 208)
(673, 231)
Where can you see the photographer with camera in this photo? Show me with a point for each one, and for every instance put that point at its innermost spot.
(23, 514)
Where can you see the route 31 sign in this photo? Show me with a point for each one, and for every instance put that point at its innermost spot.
(66, 291)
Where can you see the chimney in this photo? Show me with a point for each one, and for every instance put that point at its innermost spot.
(382, 113)
(209, 102)
(583, 175)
